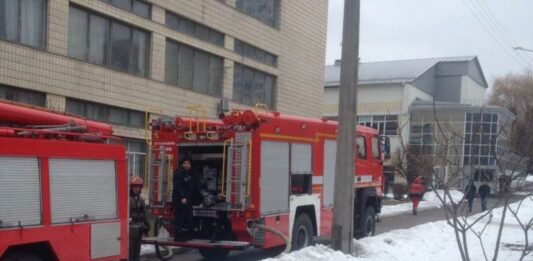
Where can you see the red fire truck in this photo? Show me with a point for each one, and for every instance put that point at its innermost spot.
(262, 171)
(63, 188)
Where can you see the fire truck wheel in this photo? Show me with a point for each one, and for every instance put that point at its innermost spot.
(213, 253)
(302, 232)
(369, 222)
(22, 257)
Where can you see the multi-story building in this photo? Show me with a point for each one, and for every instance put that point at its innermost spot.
(387, 89)
(114, 60)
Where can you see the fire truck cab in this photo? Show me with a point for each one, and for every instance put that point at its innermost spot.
(63, 188)
(262, 172)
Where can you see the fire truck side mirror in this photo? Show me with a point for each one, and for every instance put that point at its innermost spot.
(385, 146)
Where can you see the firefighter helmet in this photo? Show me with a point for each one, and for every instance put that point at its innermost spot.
(136, 181)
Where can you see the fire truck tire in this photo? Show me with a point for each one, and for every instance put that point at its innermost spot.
(369, 222)
(213, 253)
(302, 232)
(22, 257)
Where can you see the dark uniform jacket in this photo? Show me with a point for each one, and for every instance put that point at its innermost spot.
(138, 213)
(484, 191)
(470, 192)
(183, 186)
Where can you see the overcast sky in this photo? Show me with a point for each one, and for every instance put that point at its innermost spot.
(408, 29)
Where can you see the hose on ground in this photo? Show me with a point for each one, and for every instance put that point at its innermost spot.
(277, 233)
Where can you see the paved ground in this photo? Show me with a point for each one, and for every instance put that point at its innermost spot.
(386, 224)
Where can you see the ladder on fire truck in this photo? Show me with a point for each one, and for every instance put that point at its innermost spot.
(238, 182)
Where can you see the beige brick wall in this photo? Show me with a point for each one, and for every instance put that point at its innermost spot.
(299, 43)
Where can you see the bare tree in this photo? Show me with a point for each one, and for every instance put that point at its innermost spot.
(443, 147)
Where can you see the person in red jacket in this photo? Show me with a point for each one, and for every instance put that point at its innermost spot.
(416, 192)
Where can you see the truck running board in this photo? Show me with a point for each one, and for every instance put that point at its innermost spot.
(197, 243)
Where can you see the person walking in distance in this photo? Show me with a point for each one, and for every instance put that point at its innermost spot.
(470, 194)
(416, 192)
(182, 192)
(484, 192)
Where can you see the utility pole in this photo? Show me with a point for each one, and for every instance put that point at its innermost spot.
(343, 209)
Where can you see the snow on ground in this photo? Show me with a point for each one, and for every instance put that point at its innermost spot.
(430, 201)
(431, 241)
(147, 249)
(529, 178)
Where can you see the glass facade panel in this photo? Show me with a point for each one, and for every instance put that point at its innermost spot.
(98, 35)
(9, 17)
(77, 33)
(139, 58)
(120, 46)
(32, 22)
(185, 67)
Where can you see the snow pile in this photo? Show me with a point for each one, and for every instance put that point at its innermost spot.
(430, 201)
(147, 249)
(432, 241)
(529, 178)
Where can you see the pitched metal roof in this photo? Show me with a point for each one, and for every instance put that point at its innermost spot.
(401, 71)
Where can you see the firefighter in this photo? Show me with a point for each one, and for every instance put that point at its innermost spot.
(416, 192)
(138, 223)
(182, 192)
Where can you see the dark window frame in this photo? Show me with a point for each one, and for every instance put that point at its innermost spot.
(44, 27)
(109, 54)
(273, 91)
(132, 4)
(102, 108)
(180, 46)
(16, 92)
(277, 13)
(239, 46)
(196, 27)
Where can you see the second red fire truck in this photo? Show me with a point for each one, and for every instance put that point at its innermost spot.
(265, 172)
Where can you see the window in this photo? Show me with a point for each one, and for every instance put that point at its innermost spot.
(192, 69)
(480, 138)
(102, 41)
(361, 147)
(251, 86)
(385, 124)
(22, 95)
(194, 29)
(375, 148)
(255, 53)
(105, 113)
(266, 11)
(137, 7)
(136, 152)
(23, 21)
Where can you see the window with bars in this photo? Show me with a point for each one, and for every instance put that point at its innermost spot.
(137, 7)
(385, 124)
(23, 21)
(192, 69)
(99, 40)
(105, 113)
(194, 29)
(251, 86)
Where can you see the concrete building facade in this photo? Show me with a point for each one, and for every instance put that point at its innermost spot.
(112, 60)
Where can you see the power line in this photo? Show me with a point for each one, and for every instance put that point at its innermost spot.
(494, 35)
(498, 28)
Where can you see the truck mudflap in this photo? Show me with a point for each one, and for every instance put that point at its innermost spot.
(197, 243)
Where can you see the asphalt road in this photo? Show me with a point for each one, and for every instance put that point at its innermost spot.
(386, 224)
